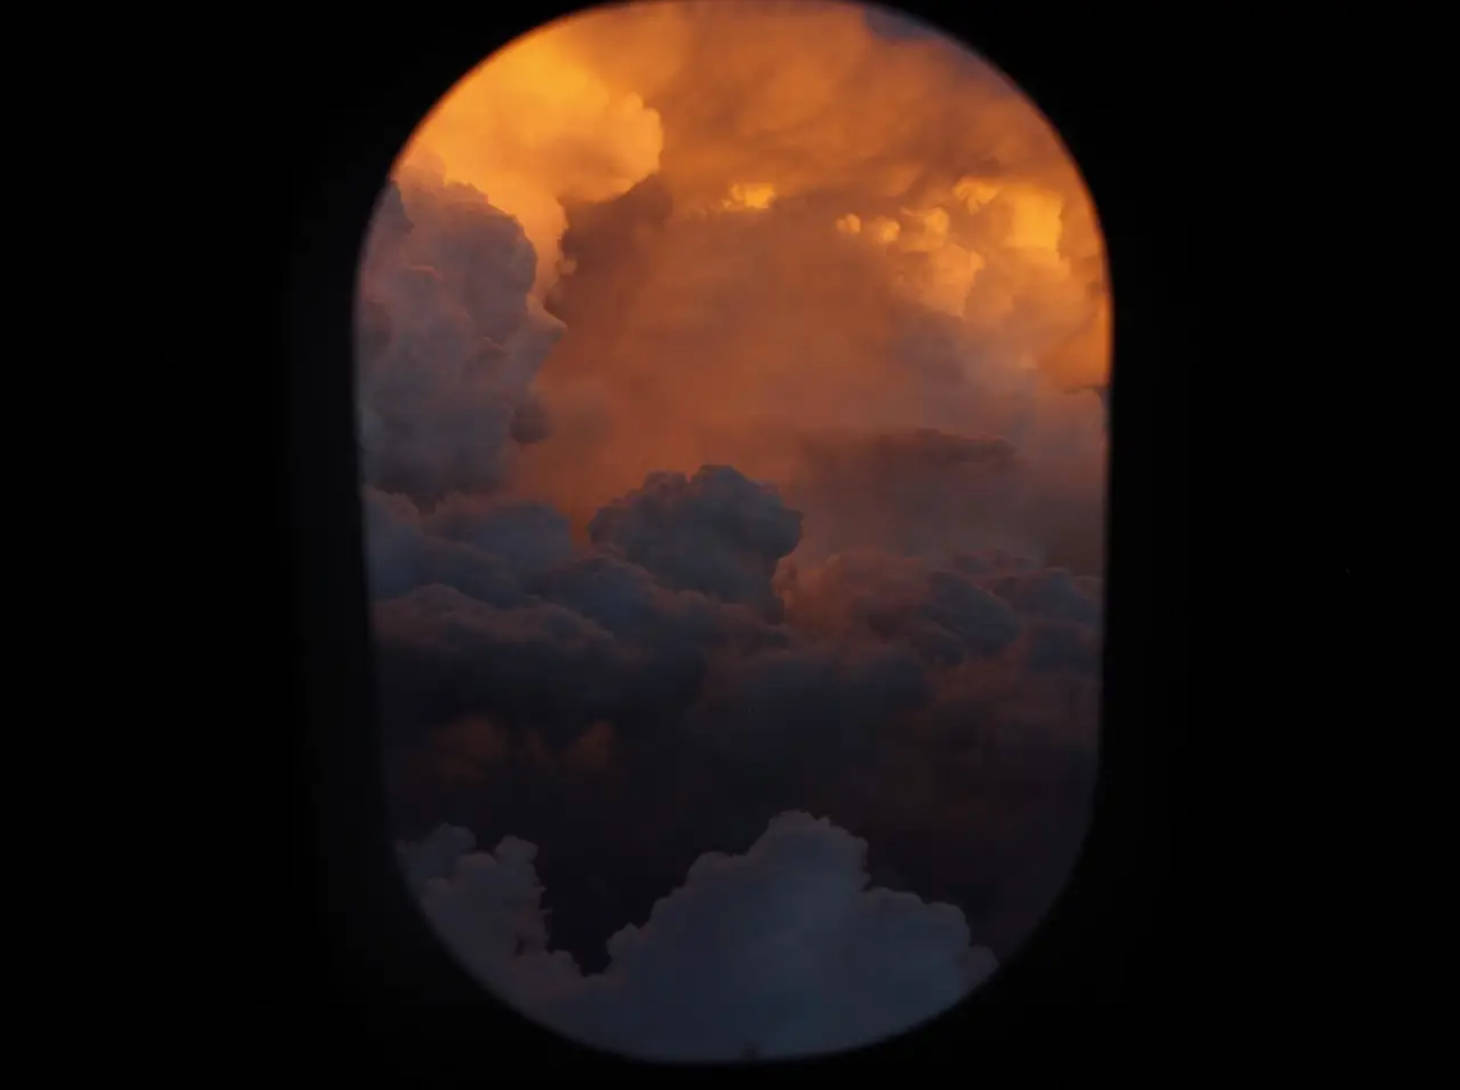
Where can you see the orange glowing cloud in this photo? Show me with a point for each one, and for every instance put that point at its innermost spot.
(740, 212)
(533, 127)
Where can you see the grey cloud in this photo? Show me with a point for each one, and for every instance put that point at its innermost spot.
(447, 343)
(979, 621)
(442, 655)
(530, 422)
(592, 638)
(626, 600)
(897, 695)
(789, 952)
(528, 537)
(487, 908)
(1050, 593)
(401, 555)
(716, 532)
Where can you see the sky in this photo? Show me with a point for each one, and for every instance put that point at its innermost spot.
(733, 471)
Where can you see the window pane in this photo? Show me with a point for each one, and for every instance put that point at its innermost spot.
(731, 403)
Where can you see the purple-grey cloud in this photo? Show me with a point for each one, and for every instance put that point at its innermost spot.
(782, 951)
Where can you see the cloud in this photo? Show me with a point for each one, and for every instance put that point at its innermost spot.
(987, 561)
(780, 709)
(487, 907)
(533, 127)
(486, 606)
(442, 654)
(716, 311)
(1056, 645)
(917, 492)
(716, 532)
(779, 952)
(529, 538)
(1049, 593)
(625, 599)
(402, 555)
(760, 344)
(894, 694)
(941, 614)
(447, 341)
(893, 24)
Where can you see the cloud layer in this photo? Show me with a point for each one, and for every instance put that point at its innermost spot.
(782, 951)
(529, 678)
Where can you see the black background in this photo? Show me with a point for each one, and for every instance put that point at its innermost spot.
(1126, 946)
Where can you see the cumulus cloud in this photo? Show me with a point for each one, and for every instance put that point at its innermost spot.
(447, 340)
(989, 561)
(941, 614)
(486, 606)
(401, 554)
(702, 342)
(812, 250)
(627, 601)
(716, 532)
(1050, 593)
(533, 127)
(442, 654)
(487, 907)
(779, 952)
(882, 667)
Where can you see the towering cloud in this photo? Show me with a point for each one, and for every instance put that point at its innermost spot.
(782, 951)
(535, 126)
(447, 342)
(916, 492)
